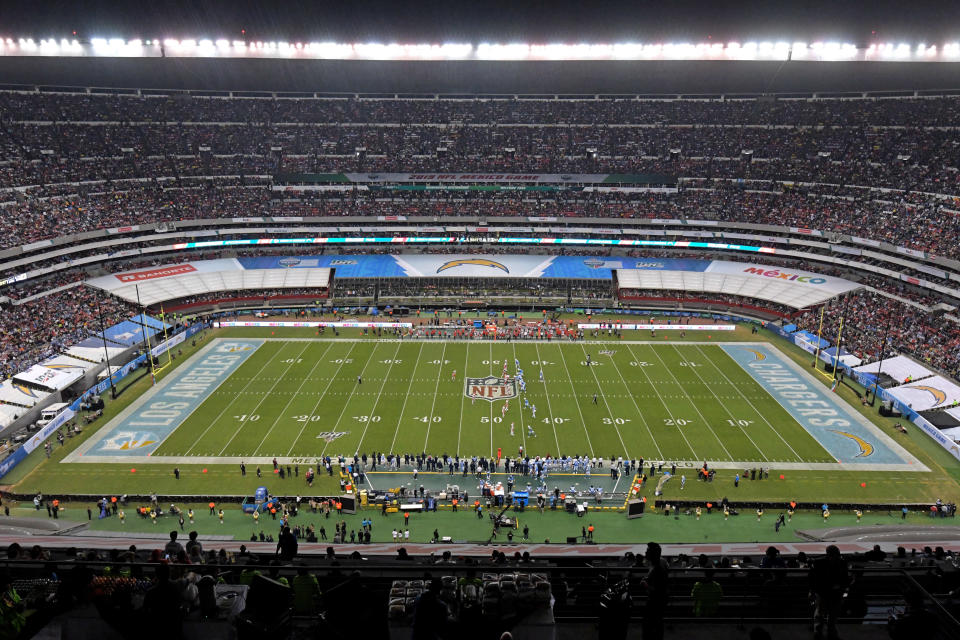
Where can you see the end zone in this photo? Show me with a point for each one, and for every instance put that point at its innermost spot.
(854, 441)
(141, 428)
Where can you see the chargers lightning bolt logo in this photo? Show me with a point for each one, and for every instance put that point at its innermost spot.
(937, 394)
(865, 447)
(481, 262)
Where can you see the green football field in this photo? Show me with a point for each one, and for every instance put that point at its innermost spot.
(315, 406)
(672, 402)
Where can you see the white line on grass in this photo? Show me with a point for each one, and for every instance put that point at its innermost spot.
(350, 397)
(491, 402)
(463, 396)
(293, 397)
(637, 407)
(757, 411)
(523, 433)
(265, 396)
(313, 411)
(436, 388)
(604, 396)
(376, 402)
(549, 410)
(692, 403)
(576, 402)
(406, 397)
(665, 405)
(763, 456)
(229, 404)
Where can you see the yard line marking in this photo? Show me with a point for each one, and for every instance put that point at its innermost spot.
(604, 396)
(350, 397)
(491, 402)
(293, 396)
(763, 456)
(436, 388)
(549, 410)
(376, 402)
(583, 420)
(407, 396)
(463, 396)
(760, 413)
(694, 404)
(664, 402)
(229, 404)
(523, 433)
(265, 396)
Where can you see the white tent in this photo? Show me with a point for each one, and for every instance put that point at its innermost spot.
(14, 392)
(899, 368)
(929, 393)
(785, 292)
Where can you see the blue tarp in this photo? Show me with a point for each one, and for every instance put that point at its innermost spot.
(832, 351)
(93, 342)
(130, 332)
(388, 266)
(806, 336)
(150, 322)
(789, 328)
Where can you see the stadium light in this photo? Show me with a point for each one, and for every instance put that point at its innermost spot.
(732, 50)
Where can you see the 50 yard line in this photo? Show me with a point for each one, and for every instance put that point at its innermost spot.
(466, 363)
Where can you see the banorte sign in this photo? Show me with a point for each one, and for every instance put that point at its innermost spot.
(151, 274)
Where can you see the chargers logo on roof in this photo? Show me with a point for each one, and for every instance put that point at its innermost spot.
(937, 394)
(288, 262)
(594, 264)
(480, 262)
(25, 390)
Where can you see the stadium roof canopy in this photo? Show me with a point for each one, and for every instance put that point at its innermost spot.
(731, 69)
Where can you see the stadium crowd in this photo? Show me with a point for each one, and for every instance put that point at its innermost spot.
(931, 225)
(880, 169)
(47, 326)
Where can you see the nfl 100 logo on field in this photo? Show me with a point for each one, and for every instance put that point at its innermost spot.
(490, 388)
(330, 436)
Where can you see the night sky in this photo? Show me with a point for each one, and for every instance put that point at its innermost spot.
(489, 20)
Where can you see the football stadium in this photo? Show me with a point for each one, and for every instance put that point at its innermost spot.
(451, 327)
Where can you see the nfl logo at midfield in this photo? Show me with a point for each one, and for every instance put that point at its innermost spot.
(491, 388)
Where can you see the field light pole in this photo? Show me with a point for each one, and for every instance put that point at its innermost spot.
(106, 353)
(843, 315)
(883, 348)
(146, 342)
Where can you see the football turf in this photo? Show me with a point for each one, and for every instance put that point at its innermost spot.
(58, 476)
(672, 402)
